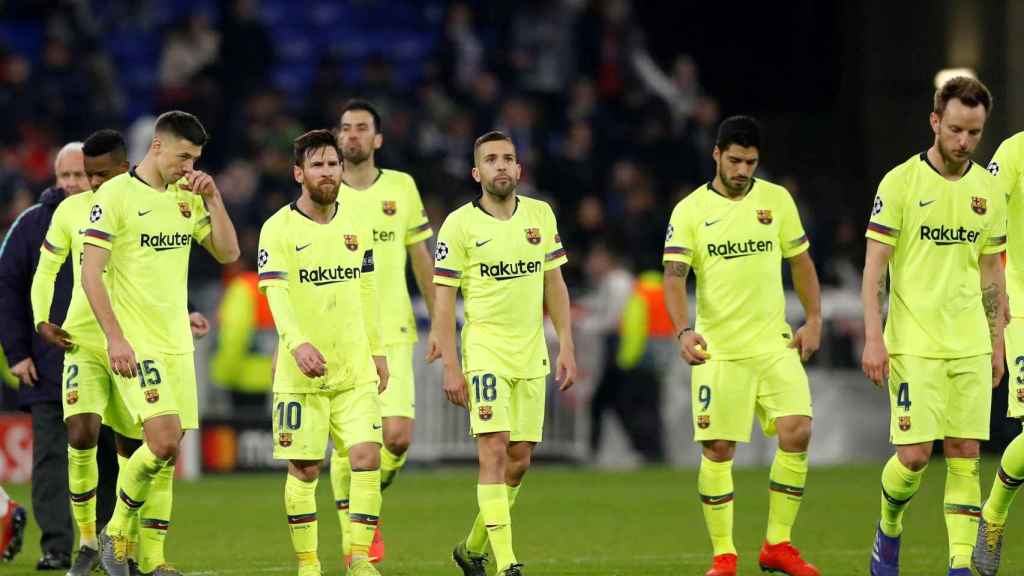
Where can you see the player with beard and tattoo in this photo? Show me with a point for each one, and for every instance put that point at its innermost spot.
(388, 201)
(938, 226)
(503, 251)
(316, 267)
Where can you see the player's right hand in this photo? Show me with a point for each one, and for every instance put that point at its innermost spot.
(455, 387)
(310, 361)
(693, 348)
(26, 372)
(54, 335)
(433, 348)
(122, 357)
(875, 361)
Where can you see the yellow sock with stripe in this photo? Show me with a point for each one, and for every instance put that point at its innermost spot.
(136, 478)
(341, 478)
(132, 526)
(83, 476)
(785, 493)
(364, 511)
(300, 506)
(714, 485)
(389, 466)
(476, 542)
(963, 508)
(155, 519)
(1008, 481)
(899, 484)
(494, 507)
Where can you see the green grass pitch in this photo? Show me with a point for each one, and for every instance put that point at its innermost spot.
(566, 522)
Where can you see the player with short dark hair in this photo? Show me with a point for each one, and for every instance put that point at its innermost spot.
(734, 232)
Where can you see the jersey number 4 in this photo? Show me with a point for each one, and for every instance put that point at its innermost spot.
(903, 396)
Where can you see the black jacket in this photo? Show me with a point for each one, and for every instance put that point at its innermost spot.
(19, 257)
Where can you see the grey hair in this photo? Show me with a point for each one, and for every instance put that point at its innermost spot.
(69, 147)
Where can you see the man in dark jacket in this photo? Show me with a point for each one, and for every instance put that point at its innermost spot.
(39, 366)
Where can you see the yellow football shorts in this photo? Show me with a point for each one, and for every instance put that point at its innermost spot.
(399, 398)
(303, 421)
(1015, 367)
(935, 398)
(166, 384)
(513, 405)
(728, 393)
(89, 388)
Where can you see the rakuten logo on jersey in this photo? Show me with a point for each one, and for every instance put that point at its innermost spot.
(321, 276)
(161, 242)
(730, 250)
(508, 271)
(943, 236)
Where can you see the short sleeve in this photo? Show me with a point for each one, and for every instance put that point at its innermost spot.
(272, 258)
(1006, 165)
(450, 253)
(554, 252)
(679, 238)
(995, 237)
(57, 242)
(106, 218)
(887, 211)
(417, 226)
(791, 230)
(201, 218)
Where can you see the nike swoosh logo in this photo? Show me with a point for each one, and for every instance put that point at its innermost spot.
(922, 203)
(141, 213)
(301, 248)
(376, 426)
(712, 222)
(479, 243)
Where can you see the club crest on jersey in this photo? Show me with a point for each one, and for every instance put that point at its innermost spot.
(979, 205)
(186, 210)
(351, 242)
(72, 397)
(1020, 394)
(389, 207)
(533, 235)
(152, 395)
(764, 216)
(485, 413)
(284, 439)
(703, 421)
(904, 423)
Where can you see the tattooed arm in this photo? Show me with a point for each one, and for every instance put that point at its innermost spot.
(875, 359)
(692, 346)
(993, 297)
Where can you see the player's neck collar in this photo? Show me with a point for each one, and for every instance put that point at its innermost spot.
(711, 186)
(924, 156)
(368, 186)
(134, 174)
(476, 202)
(295, 206)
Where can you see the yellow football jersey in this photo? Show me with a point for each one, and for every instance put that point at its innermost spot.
(499, 266)
(735, 248)
(1008, 167)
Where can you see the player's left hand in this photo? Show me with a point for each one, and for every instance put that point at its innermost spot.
(382, 373)
(201, 183)
(807, 339)
(566, 371)
(199, 324)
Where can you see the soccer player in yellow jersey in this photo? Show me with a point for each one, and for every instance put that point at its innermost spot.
(140, 229)
(937, 228)
(734, 233)
(390, 203)
(316, 266)
(1008, 167)
(503, 251)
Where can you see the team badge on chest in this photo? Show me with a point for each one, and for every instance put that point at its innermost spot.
(764, 217)
(351, 242)
(389, 207)
(533, 235)
(186, 210)
(979, 205)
